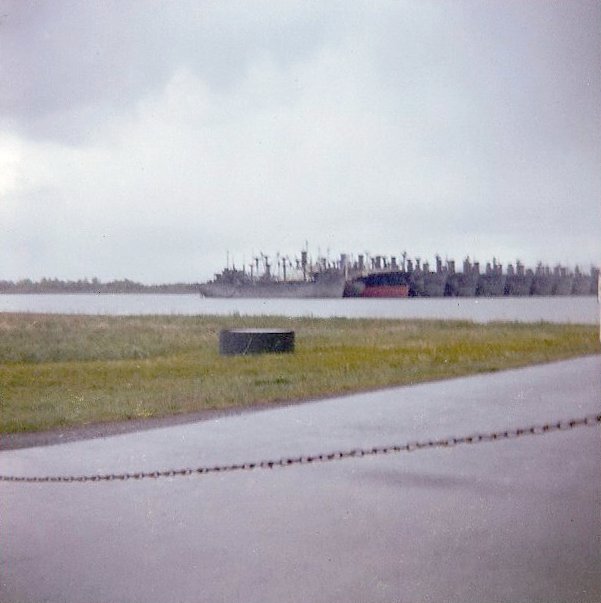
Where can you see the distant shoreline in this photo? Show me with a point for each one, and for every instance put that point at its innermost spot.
(92, 288)
(148, 292)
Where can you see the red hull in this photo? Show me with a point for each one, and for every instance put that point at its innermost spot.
(386, 291)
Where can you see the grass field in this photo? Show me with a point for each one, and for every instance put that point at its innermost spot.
(58, 371)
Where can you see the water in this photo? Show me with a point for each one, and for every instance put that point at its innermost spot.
(583, 310)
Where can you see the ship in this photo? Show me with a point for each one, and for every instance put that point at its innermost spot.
(564, 282)
(434, 283)
(584, 284)
(385, 279)
(595, 283)
(463, 284)
(492, 282)
(417, 282)
(519, 280)
(380, 284)
(318, 281)
(543, 281)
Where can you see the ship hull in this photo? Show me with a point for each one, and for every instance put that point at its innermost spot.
(379, 284)
(434, 284)
(416, 284)
(517, 285)
(542, 285)
(583, 285)
(386, 291)
(290, 289)
(354, 288)
(564, 285)
(462, 285)
(491, 285)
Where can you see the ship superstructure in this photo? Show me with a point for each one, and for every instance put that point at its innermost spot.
(301, 279)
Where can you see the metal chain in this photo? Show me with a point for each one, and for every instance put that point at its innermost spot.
(494, 436)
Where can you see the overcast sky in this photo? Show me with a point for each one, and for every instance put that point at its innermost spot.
(149, 139)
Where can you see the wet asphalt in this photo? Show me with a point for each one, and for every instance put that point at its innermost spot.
(516, 520)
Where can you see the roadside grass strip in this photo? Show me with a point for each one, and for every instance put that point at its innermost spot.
(59, 371)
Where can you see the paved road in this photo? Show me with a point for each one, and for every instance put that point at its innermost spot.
(508, 521)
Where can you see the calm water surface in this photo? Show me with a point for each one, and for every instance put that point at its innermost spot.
(573, 309)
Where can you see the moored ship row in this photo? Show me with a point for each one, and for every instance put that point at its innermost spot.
(380, 276)
(307, 280)
(388, 278)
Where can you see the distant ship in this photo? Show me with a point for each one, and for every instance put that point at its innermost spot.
(584, 284)
(463, 284)
(519, 281)
(386, 279)
(492, 282)
(426, 283)
(543, 281)
(564, 282)
(320, 281)
(434, 283)
(379, 284)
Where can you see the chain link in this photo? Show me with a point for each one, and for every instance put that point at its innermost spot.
(494, 436)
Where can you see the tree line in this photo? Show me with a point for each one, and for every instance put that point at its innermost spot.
(94, 285)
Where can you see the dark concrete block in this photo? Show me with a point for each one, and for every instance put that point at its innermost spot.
(255, 341)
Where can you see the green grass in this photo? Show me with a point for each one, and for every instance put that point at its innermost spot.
(58, 371)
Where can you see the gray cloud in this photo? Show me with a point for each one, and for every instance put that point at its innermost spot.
(70, 63)
(151, 141)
